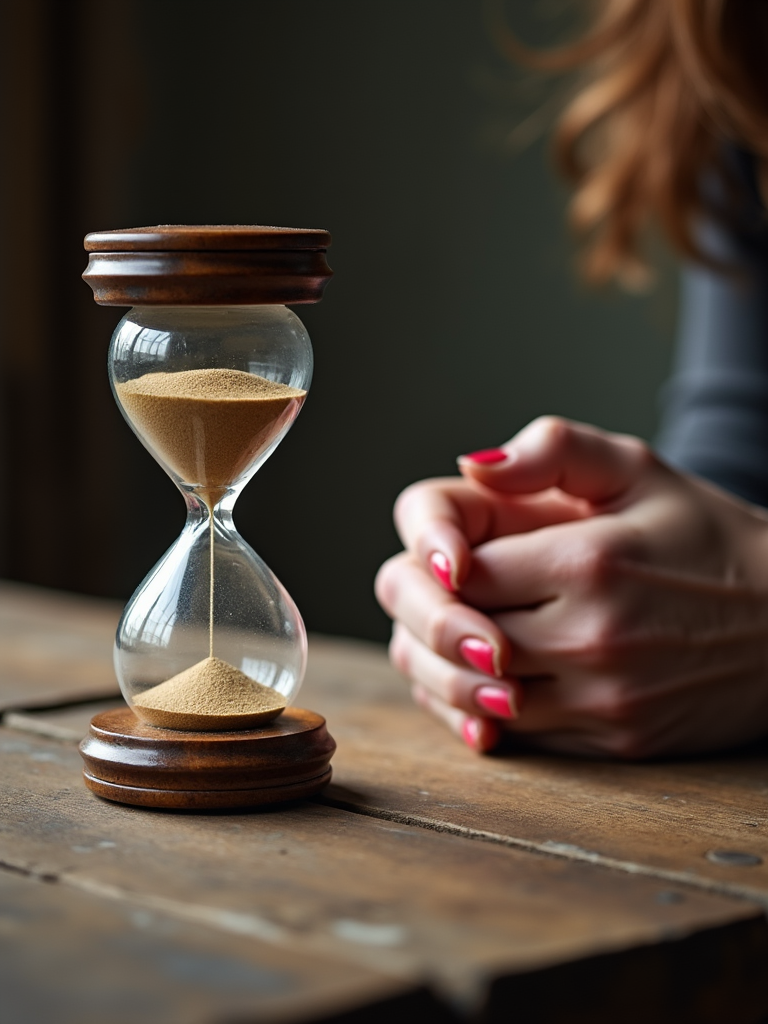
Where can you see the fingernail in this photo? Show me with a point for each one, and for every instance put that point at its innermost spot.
(486, 456)
(497, 699)
(471, 733)
(481, 655)
(441, 567)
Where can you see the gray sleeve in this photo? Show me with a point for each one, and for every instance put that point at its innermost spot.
(715, 406)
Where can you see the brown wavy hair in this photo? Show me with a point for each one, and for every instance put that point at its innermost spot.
(665, 85)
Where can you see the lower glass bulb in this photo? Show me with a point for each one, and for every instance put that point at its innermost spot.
(211, 639)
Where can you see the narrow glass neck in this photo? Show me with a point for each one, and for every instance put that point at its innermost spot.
(198, 509)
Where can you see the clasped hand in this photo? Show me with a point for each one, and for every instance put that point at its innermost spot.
(572, 589)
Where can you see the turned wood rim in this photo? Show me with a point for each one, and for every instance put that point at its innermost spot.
(204, 800)
(207, 265)
(127, 761)
(210, 237)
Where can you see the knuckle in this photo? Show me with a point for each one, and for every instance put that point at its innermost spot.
(402, 502)
(409, 497)
(641, 453)
(420, 696)
(620, 711)
(554, 431)
(628, 745)
(437, 628)
(453, 687)
(593, 560)
(613, 703)
(597, 558)
(598, 643)
(398, 653)
(556, 426)
(385, 585)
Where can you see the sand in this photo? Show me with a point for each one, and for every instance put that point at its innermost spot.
(209, 426)
(210, 695)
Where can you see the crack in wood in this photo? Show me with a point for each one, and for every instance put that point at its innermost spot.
(244, 925)
(548, 847)
(26, 872)
(551, 848)
(235, 923)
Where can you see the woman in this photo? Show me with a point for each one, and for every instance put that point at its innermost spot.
(573, 587)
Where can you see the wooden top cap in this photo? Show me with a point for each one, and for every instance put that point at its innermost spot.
(206, 237)
(207, 265)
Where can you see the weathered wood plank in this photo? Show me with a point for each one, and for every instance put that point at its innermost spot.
(69, 724)
(393, 760)
(75, 958)
(407, 901)
(54, 647)
(672, 817)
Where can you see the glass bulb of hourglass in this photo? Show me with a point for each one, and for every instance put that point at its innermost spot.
(210, 639)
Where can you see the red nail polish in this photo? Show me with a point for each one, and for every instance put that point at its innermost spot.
(480, 654)
(497, 699)
(441, 567)
(471, 733)
(487, 456)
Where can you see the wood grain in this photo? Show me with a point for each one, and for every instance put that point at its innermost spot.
(207, 265)
(402, 885)
(206, 237)
(133, 763)
(665, 818)
(69, 724)
(55, 648)
(394, 761)
(74, 958)
(407, 901)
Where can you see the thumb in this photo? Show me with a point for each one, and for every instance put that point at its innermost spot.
(550, 452)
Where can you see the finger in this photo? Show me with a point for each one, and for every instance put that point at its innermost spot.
(547, 722)
(481, 734)
(555, 562)
(453, 630)
(442, 520)
(553, 704)
(570, 713)
(457, 686)
(550, 452)
(576, 743)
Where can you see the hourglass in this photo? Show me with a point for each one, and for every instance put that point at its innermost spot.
(210, 369)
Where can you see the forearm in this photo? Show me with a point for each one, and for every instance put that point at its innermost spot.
(716, 403)
(715, 421)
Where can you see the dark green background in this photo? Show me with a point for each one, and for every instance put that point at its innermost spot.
(455, 315)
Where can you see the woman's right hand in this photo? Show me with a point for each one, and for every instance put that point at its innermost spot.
(583, 595)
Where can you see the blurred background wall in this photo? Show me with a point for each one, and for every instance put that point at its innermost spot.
(454, 316)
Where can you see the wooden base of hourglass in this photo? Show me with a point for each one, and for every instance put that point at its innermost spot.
(133, 763)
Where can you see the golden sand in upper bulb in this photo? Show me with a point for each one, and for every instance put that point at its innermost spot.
(210, 695)
(209, 425)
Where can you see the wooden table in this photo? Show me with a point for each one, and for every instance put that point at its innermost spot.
(426, 883)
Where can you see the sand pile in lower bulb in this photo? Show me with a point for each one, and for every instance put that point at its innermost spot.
(210, 695)
(209, 425)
